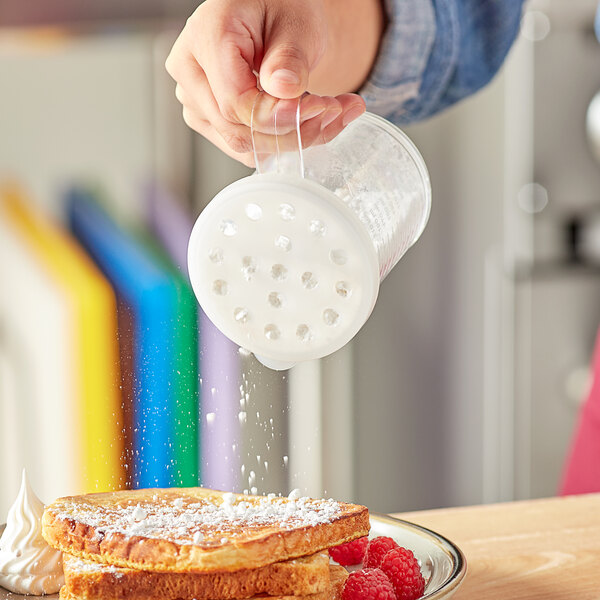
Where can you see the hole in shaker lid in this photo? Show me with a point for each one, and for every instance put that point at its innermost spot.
(309, 281)
(279, 272)
(248, 267)
(241, 315)
(317, 228)
(220, 287)
(283, 242)
(330, 316)
(272, 332)
(338, 257)
(343, 289)
(215, 255)
(287, 212)
(253, 211)
(275, 300)
(228, 227)
(303, 333)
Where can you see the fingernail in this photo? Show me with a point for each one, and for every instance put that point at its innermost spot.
(286, 76)
(352, 113)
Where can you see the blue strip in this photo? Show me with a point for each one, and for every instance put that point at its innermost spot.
(149, 292)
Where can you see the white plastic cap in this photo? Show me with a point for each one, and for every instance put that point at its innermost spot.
(283, 268)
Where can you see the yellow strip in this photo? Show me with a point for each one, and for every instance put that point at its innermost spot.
(97, 371)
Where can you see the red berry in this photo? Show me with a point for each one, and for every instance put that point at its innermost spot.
(402, 569)
(350, 553)
(368, 584)
(377, 549)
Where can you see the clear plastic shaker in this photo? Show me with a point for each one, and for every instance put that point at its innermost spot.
(287, 262)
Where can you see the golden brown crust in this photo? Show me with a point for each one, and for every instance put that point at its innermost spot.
(106, 528)
(301, 576)
(338, 576)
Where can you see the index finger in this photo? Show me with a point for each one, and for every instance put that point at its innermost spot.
(227, 53)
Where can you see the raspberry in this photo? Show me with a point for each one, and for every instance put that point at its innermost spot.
(350, 553)
(368, 584)
(402, 569)
(377, 549)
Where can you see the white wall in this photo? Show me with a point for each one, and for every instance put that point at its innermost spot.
(461, 372)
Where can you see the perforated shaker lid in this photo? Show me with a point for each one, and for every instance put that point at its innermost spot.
(283, 268)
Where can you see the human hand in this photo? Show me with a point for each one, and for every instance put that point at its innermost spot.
(226, 42)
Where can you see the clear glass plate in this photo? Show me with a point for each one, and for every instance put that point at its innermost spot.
(442, 562)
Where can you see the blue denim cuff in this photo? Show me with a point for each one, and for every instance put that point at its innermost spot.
(403, 55)
(443, 61)
(436, 52)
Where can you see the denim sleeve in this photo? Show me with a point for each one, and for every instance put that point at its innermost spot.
(436, 52)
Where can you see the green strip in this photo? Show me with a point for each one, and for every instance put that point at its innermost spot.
(186, 472)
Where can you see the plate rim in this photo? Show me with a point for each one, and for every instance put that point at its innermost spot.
(459, 561)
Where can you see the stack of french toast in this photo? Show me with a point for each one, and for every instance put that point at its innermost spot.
(200, 544)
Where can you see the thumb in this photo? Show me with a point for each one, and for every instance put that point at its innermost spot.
(285, 67)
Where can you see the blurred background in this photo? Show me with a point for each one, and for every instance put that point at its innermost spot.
(463, 387)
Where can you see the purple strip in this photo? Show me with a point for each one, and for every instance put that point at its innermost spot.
(220, 438)
(219, 358)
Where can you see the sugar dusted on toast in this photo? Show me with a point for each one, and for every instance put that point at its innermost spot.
(198, 530)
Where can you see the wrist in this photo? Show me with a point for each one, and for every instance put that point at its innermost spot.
(354, 31)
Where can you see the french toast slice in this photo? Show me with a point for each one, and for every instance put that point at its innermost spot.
(337, 578)
(299, 576)
(197, 529)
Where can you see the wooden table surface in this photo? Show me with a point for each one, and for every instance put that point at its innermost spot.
(537, 549)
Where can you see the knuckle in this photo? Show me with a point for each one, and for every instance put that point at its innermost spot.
(291, 52)
(188, 117)
(195, 122)
(170, 64)
(229, 113)
(194, 20)
(239, 142)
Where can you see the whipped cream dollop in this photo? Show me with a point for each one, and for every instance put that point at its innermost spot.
(28, 565)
